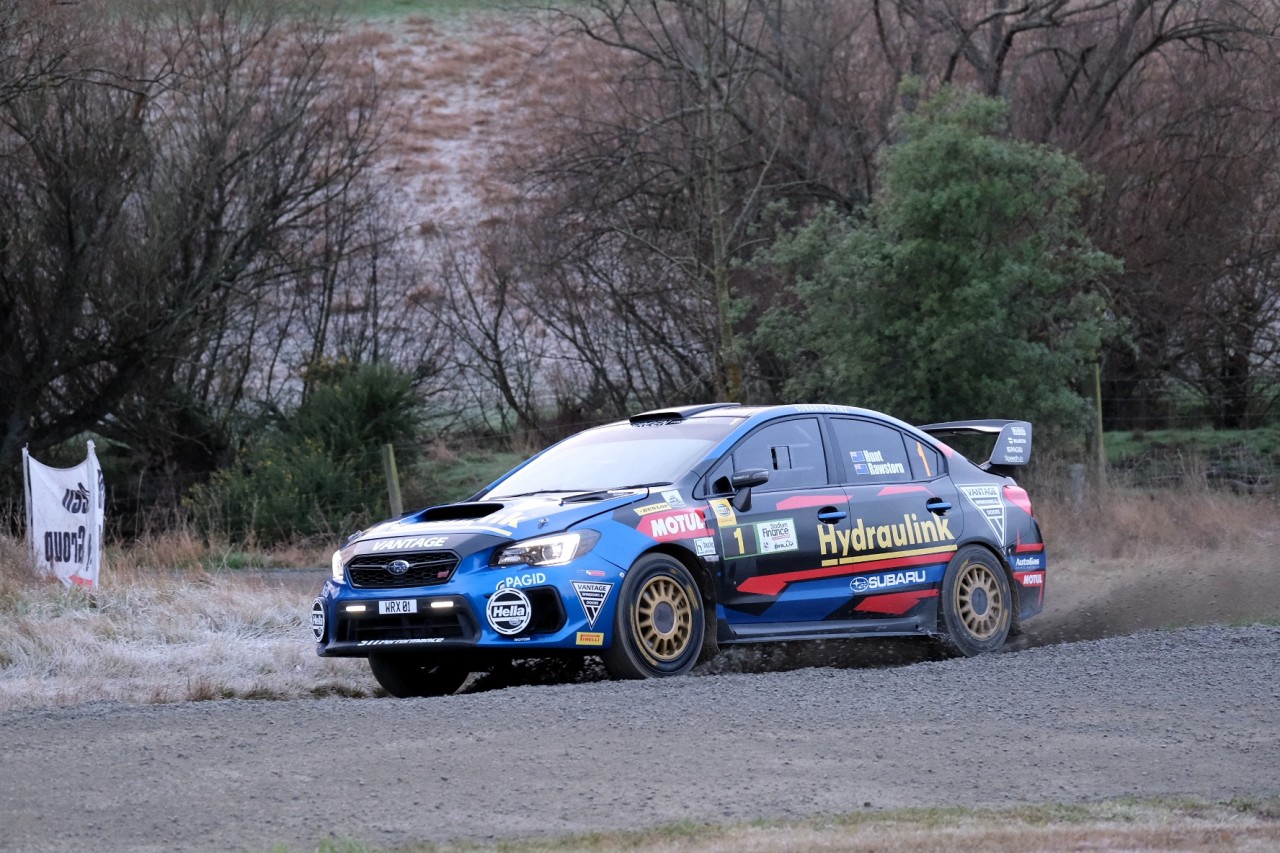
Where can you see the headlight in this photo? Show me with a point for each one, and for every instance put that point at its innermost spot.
(335, 566)
(548, 550)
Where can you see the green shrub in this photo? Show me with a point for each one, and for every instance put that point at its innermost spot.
(318, 471)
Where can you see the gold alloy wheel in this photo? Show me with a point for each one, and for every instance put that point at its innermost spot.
(979, 601)
(663, 619)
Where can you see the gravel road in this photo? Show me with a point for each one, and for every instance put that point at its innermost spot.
(1192, 712)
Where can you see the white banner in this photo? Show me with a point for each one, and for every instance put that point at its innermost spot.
(64, 518)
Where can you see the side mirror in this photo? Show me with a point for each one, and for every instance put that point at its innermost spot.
(742, 483)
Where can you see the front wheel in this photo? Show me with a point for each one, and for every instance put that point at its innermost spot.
(659, 625)
(977, 607)
(406, 676)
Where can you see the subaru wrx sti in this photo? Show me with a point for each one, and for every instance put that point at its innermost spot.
(653, 541)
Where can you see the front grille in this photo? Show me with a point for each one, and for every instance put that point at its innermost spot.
(456, 623)
(426, 568)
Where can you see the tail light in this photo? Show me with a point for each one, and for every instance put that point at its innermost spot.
(1018, 496)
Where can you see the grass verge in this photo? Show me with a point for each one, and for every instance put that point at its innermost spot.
(1139, 825)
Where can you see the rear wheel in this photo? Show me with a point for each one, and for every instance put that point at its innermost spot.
(406, 676)
(977, 607)
(659, 626)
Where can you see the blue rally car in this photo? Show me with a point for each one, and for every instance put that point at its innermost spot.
(653, 541)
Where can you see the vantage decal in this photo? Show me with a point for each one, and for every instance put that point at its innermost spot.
(990, 503)
(673, 525)
(592, 596)
(674, 499)
(833, 541)
(870, 463)
(410, 543)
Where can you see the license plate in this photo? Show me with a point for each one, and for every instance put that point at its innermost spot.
(400, 605)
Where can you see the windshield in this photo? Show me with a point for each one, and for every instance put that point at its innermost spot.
(617, 456)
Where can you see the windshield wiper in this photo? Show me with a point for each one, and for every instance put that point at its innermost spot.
(601, 494)
(528, 494)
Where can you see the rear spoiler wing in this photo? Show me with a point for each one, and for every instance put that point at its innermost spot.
(1013, 438)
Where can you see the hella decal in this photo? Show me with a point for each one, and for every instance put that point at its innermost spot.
(509, 612)
(317, 619)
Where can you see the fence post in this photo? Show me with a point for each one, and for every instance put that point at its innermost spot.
(393, 480)
(1099, 448)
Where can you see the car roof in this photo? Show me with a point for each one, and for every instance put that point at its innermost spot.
(757, 413)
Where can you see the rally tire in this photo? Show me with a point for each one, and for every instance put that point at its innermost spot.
(407, 676)
(976, 610)
(659, 626)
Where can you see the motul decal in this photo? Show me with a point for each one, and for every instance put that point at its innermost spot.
(674, 525)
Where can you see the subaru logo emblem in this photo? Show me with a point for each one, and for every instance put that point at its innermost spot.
(398, 567)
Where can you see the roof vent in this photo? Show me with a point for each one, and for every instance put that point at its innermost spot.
(676, 413)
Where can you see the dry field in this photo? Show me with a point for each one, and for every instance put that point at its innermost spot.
(162, 629)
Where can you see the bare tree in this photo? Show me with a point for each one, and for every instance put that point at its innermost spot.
(168, 190)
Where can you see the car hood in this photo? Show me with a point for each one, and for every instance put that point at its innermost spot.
(470, 525)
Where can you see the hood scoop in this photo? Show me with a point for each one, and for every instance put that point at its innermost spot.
(457, 512)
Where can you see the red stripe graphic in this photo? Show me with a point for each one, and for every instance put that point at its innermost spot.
(895, 603)
(903, 490)
(775, 584)
(803, 501)
(1029, 548)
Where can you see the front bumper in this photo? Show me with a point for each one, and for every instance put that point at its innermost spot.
(568, 607)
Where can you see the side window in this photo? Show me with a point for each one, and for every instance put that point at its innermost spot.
(872, 453)
(791, 451)
(926, 462)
